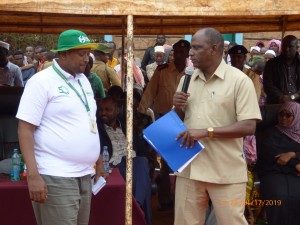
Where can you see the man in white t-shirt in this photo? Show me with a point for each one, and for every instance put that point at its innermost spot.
(58, 135)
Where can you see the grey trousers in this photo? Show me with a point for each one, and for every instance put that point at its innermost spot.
(68, 202)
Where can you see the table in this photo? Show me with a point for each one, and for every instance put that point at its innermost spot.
(108, 206)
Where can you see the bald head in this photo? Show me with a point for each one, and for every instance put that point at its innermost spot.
(214, 37)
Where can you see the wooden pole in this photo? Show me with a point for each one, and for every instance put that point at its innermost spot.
(284, 22)
(129, 122)
(122, 55)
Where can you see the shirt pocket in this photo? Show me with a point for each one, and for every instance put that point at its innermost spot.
(216, 106)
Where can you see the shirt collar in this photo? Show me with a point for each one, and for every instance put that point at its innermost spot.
(219, 72)
(119, 125)
(66, 74)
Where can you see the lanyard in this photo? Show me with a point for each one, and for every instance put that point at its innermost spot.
(86, 103)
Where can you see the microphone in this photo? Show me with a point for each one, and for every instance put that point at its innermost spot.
(188, 74)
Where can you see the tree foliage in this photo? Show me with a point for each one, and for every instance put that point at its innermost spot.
(49, 41)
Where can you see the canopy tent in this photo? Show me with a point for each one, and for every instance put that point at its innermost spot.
(138, 17)
(149, 17)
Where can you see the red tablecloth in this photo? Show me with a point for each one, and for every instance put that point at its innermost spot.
(108, 206)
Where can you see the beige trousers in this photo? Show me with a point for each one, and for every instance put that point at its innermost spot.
(191, 201)
(68, 202)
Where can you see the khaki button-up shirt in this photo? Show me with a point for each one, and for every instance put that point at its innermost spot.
(107, 75)
(255, 80)
(227, 97)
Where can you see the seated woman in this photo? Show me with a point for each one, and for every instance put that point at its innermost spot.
(112, 134)
(278, 167)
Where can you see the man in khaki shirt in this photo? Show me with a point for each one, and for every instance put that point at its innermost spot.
(159, 97)
(220, 108)
(107, 75)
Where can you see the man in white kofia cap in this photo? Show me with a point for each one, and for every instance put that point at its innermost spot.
(10, 74)
(159, 54)
(4, 45)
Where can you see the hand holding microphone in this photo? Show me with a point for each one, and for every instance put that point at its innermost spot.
(180, 98)
(188, 74)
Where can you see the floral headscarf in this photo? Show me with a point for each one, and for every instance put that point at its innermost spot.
(293, 131)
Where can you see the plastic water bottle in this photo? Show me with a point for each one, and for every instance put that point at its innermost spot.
(105, 158)
(15, 166)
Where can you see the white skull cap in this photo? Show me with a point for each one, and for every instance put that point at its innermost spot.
(159, 49)
(4, 45)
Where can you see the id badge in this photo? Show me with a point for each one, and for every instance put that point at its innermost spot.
(93, 125)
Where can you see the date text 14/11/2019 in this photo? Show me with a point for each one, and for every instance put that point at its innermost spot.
(254, 202)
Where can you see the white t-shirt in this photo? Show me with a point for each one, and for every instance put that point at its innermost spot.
(64, 145)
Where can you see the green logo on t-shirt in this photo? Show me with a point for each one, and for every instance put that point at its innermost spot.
(63, 90)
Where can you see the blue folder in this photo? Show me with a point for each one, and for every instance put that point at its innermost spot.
(161, 136)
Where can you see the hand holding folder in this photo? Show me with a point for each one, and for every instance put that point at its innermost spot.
(96, 187)
(161, 135)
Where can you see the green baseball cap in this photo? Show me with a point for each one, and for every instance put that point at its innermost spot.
(102, 48)
(73, 39)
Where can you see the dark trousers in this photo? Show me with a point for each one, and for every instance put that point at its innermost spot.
(164, 186)
(281, 193)
(141, 183)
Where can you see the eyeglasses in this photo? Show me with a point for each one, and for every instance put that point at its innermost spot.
(285, 114)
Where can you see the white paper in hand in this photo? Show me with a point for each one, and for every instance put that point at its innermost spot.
(96, 187)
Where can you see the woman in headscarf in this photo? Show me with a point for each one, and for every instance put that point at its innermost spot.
(260, 44)
(275, 45)
(278, 167)
(137, 73)
(270, 54)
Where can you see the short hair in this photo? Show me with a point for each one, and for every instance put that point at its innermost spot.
(50, 55)
(115, 91)
(214, 37)
(43, 49)
(18, 53)
(161, 35)
(289, 38)
(114, 101)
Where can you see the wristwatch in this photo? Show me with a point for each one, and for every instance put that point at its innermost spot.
(293, 97)
(210, 131)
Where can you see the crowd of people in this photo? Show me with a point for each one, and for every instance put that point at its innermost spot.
(78, 90)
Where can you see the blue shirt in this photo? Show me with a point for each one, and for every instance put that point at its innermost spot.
(11, 75)
(27, 74)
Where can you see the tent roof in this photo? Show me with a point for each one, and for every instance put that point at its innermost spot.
(150, 17)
